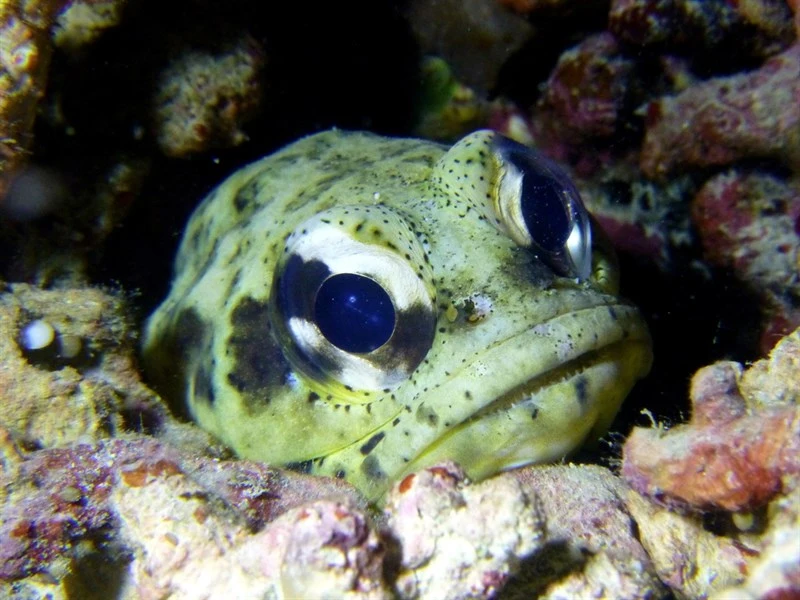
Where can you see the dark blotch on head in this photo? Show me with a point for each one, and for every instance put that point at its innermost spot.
(413, 335)
(258, 361)
(234, 282)
(242, 201)
(371, 443)
(203, 384)
(371, 467)
(297, 286)
(190, 332)
(425, 414)
(582, 390)
(177, 356)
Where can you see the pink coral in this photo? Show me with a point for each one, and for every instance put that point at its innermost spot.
(582, 101)
(717, 122)
(735, 454)
(748, 222)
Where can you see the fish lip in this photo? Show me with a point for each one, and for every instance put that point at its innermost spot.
(623, 330)
(576, 351)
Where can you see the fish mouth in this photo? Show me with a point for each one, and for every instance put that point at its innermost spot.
(531, 397)
(555, 388)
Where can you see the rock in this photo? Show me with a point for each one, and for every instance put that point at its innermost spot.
(725, 119)
(457, 540)
(203, 99)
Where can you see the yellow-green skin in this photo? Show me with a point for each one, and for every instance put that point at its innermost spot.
(524, 366)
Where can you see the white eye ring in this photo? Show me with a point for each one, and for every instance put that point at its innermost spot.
(316, 252)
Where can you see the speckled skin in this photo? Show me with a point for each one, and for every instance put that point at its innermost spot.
(519, 365)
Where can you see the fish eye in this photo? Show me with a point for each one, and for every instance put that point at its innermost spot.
(542, 209)
(354, 313)
(353, 306)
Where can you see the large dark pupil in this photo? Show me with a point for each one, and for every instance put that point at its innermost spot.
(543, 210)
(354, 313)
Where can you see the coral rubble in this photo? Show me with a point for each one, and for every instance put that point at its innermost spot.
(24, 59)
(176, 523)
(681, 122)
(203, 99)
(456, 540)
(83, 21)
(567, 121)
(592, 548)
(747, 222)
(737, 457)
(81, 386)
(759, 27)
(735, 454)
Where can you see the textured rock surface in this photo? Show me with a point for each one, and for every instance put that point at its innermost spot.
(24, 60)
(83, 21)
(690, 560)
(734, 454)
(81, 386)
(759, 27)
(725, 119)
(163, 515)
(457, 540)
(582, 106)
(203, 99)
(592, 550)
(748, 223)
(700, 94)
(738, 458)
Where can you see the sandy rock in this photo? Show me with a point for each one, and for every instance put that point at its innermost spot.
(457, 540)
(689, 559)
(81, 386)
(592, 549)
(169, 522)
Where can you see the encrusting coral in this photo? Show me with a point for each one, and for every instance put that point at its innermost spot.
(736, 458)
(203, 98)
(736, 453)
(725, 119)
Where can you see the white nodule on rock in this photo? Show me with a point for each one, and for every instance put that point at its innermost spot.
(36, 335)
